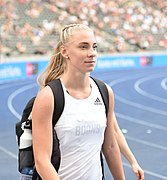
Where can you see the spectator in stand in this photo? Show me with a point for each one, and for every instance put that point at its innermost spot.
(20, 47)
(163, 42)
(5, 50)
(35, 10)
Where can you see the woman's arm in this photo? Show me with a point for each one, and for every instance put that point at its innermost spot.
(110, 147)
(43, 135)
(125, 150)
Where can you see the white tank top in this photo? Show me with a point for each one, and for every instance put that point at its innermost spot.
(80, 131)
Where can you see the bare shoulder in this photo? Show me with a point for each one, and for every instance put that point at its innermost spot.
(44, 99)
(46, 92)
(110, 91)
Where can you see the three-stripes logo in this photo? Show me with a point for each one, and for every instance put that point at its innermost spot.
(97, 101)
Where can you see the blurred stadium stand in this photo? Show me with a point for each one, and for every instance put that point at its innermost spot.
(31, 26)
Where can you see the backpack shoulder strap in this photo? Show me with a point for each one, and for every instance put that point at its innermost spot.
(58, 93)
(104, 92)
(27, 110)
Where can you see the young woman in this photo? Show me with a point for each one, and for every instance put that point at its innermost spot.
(74, 59)
(80, 149)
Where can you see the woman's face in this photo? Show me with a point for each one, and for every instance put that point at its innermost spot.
(82, 51)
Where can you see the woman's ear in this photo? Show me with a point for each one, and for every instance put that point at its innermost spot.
(63, 51)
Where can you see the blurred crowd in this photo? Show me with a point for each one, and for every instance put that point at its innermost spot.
(32, 26)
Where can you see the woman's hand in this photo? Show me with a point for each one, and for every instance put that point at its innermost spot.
(138, 171)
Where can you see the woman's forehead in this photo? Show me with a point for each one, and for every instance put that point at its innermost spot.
(85, 36)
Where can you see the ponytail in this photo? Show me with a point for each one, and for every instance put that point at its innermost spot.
(54, 69)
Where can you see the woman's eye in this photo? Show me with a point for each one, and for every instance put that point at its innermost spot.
(94, 47)
(83, 47)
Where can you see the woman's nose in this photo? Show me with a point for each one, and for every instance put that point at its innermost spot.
(92, 52)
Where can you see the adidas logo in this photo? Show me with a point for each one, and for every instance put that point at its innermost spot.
(97, 101)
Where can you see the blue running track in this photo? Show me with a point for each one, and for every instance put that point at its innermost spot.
(141, 110)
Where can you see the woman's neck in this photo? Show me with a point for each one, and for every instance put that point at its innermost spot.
(76, 81)
(78, 87)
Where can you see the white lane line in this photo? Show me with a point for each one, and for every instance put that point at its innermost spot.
(16, 83)
(146, 143)
(125, 78)
(146, 94)
(137, 121)
(164, 83)
(8, 152)
(155, 174)
(148, 172)
(13, 95)
(141, 106)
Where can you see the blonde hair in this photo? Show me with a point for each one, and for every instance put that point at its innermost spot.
(57, 64)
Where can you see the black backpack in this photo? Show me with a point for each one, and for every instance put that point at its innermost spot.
(25, 155)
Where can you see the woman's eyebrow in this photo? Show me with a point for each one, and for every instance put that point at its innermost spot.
(87, 43)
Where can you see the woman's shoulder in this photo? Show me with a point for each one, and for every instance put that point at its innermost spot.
(46, 91)
(110, 90)
(45, 96)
